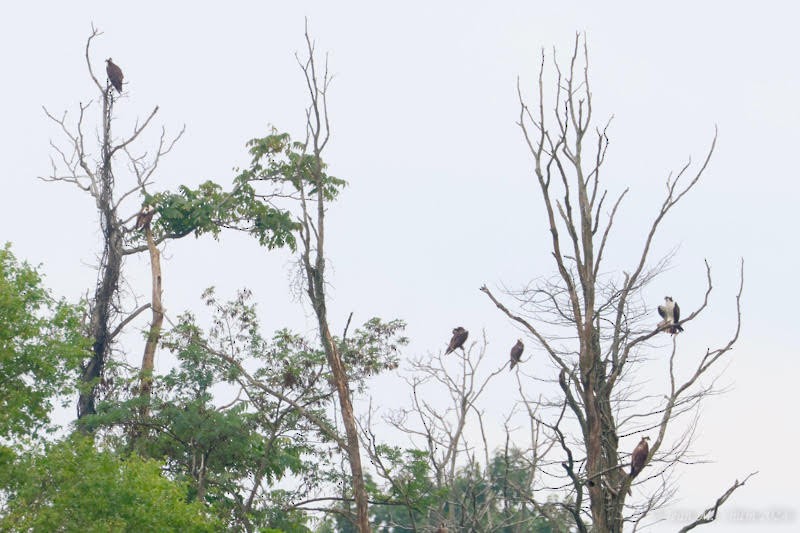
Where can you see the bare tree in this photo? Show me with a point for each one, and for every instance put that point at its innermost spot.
(97, 178)
(592, 324)
(440, 429)
(154, 333)
(312, 254)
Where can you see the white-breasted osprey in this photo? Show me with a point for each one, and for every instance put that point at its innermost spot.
(671, 314)
(144, 217)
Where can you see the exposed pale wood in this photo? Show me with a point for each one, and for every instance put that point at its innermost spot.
(154, 334)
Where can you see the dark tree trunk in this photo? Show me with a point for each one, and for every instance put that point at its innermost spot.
(102, 309)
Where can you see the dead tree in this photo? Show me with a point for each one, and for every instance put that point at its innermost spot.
(312, 255)
(143, 169)
(592, 323)
(96, 177)
(154, 333)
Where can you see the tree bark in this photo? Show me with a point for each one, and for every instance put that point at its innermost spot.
(109, 272)
(351, 430)
(316, 292)
(594, 309)
(153, 336)
(312, 231)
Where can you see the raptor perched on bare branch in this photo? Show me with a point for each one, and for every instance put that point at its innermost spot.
(516, 353)
(457, 341)
(114, 75)
(639, 456)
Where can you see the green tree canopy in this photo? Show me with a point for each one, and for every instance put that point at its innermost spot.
(41, 346)
(74, 487)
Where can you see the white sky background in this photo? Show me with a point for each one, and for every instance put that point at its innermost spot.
(441, 196)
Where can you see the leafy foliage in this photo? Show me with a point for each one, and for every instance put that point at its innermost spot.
(41, 346)
(411, 494)
(208, 209)
(280, 168)
(216, 450)
(288, 390)
(281, 162)
(374, 347)
(233, 455)
(241, 433)
(243, 426)
(74, 487)
(494, 498)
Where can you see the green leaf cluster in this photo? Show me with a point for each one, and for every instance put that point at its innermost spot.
(261, 201)
(208, 209)
(75, 488)
(479, 498)
(277, 160)
(41, 347)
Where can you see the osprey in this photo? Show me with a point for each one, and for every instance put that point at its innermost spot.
(639, 456)
(114, 75)
(671, 314)
(516, 353)
(144, 217)
(459, 337)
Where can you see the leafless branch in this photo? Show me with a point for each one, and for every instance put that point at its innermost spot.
(128, 319)
(710, 514)
(594, 325)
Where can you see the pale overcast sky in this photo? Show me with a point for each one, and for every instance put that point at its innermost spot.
(441, 196)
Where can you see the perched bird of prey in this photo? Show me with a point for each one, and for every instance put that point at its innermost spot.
(639, 456)
(144, 217)
(459, 337)
(516, 353)
(114, 75)
(671, 314)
